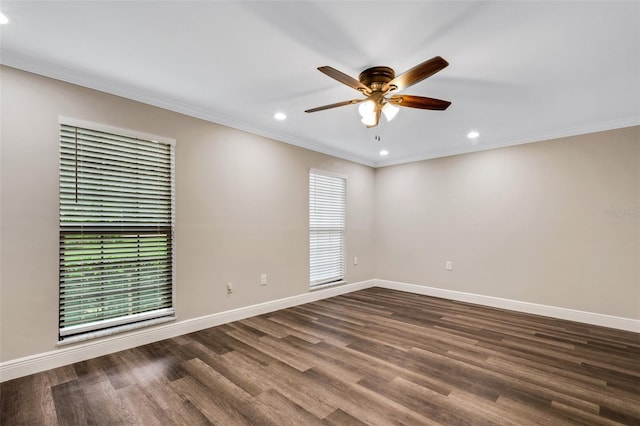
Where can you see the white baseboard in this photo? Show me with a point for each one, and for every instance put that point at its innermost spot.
(86, 350)
(627, 324)
(90, 349)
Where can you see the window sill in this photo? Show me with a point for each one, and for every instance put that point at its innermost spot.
(113, 330)
(322, 286)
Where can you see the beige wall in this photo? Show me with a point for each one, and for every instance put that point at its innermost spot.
(527, 223)
(241, 208)
(554, 223)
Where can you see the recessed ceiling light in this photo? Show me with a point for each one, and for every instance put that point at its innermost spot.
(473, 134)
(384, 152)
(280, 116)
(3, 19)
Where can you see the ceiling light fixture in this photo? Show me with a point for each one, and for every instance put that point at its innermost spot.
(473, 134)
(3, 19)
(384, 152)
(380, 86)
(280, 116)
(370, 111)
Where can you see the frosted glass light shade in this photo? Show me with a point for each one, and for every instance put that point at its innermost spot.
(369, 120)
(366, 108)
(390, 111)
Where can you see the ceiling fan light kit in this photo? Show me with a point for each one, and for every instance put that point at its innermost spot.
(377, 84)
(368, 112)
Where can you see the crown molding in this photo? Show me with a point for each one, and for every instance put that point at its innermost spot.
(73, 76)
(556, 134)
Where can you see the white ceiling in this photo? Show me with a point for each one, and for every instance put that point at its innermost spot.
(519, 71)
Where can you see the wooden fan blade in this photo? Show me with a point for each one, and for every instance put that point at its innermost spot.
(419, 102)
(336, 105)
(344, 79)
(417, 73)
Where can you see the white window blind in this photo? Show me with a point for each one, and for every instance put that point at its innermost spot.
(327, 210)
(116, 230)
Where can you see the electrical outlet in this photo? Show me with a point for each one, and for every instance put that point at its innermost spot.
(263, 279)
(355, 260)
(449, 265)
(229, 287)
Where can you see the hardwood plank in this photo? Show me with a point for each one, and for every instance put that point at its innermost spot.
(28, 401)
(542, 417)
(371, 407)
(172, 407)
(303, 349)
(282, 411)
(340, 418)
(106, 407)
(294, 321)
(421, 401)
(217, 411)
(272, 350)
(139, 408)
(71, 405)
(376, 357)
(61, 375)
(267, 327)
(240, 370)
(225, 394)
(298, 388)
(294, 331)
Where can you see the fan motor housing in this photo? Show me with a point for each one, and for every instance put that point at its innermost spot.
(378, 76)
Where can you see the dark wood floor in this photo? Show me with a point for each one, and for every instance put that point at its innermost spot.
(372, 357)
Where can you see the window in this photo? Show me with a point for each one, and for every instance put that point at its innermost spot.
(116, 232)
(327, 209)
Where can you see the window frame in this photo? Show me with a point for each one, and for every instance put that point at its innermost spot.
(342, 278)
(137, 320)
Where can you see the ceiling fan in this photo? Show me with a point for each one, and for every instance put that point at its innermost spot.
(378, 84)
